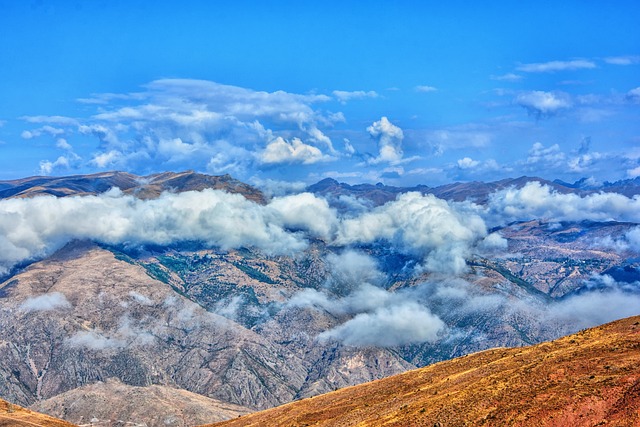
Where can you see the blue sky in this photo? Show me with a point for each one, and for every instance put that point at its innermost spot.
(404, 93)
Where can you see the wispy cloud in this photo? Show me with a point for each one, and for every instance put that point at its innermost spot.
(346, 96)
(46, 302)
(634, 95)
(553, 66)
(623, 60)
(509, 77)
(425, 89)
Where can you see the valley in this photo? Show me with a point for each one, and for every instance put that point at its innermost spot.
(313, 295)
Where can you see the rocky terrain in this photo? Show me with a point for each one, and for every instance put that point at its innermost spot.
(587, 379)
(12, 415)
(144, 187)
(114, 403)
(162, 328)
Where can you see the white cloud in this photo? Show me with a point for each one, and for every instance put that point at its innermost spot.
(634, 95)
(623, 60)
(46, 302)
(539, 201)
(305, 212)
(94, 341)
(425, 226)
(35, 227)
(553, 66)
(63, 144)
(192, 123)
(509, 77)
(281, 151)
(467, 163)
(346, 96)
(47, 167)
(630, 241)
(48, 130)
(633, 173)
(544, 104)
(549, 156)
(57, 120)
(103, 160)
(426, 89)
(376, 317)
(277, 188)
(389, 139)
(404, 324)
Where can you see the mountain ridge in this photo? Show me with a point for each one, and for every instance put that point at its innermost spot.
(585, 379)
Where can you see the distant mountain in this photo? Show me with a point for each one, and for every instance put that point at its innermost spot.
(586, 379)
(144, 187)
(475, 191)
(119, 328)
(380, 194)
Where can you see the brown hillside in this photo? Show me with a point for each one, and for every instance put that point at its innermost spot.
(587, 379)
(17, 416)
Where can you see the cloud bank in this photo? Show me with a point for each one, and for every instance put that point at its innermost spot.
(423, 226)
(535, 200)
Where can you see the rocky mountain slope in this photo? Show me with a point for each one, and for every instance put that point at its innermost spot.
(12, 415)
(144, 187)
(113, 403)
(586, 379)
(89, 321)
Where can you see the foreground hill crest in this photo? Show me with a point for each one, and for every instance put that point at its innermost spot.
(586, 379)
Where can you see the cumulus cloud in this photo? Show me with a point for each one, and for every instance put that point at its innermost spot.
(392, 326)
(389, 137)
(542, 104)
(281, 151)
(425, 226)
(535, 200)
(192, 124)
(553, 66)
(46, 166)
(31, 228)
(467, 163)
(374, 316)
(46, 302)
(305, 212)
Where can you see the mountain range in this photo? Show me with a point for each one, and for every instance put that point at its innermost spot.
(585, 379)
(182, 298)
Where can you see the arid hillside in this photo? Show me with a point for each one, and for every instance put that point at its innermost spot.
(17, 416)
(586, 379)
